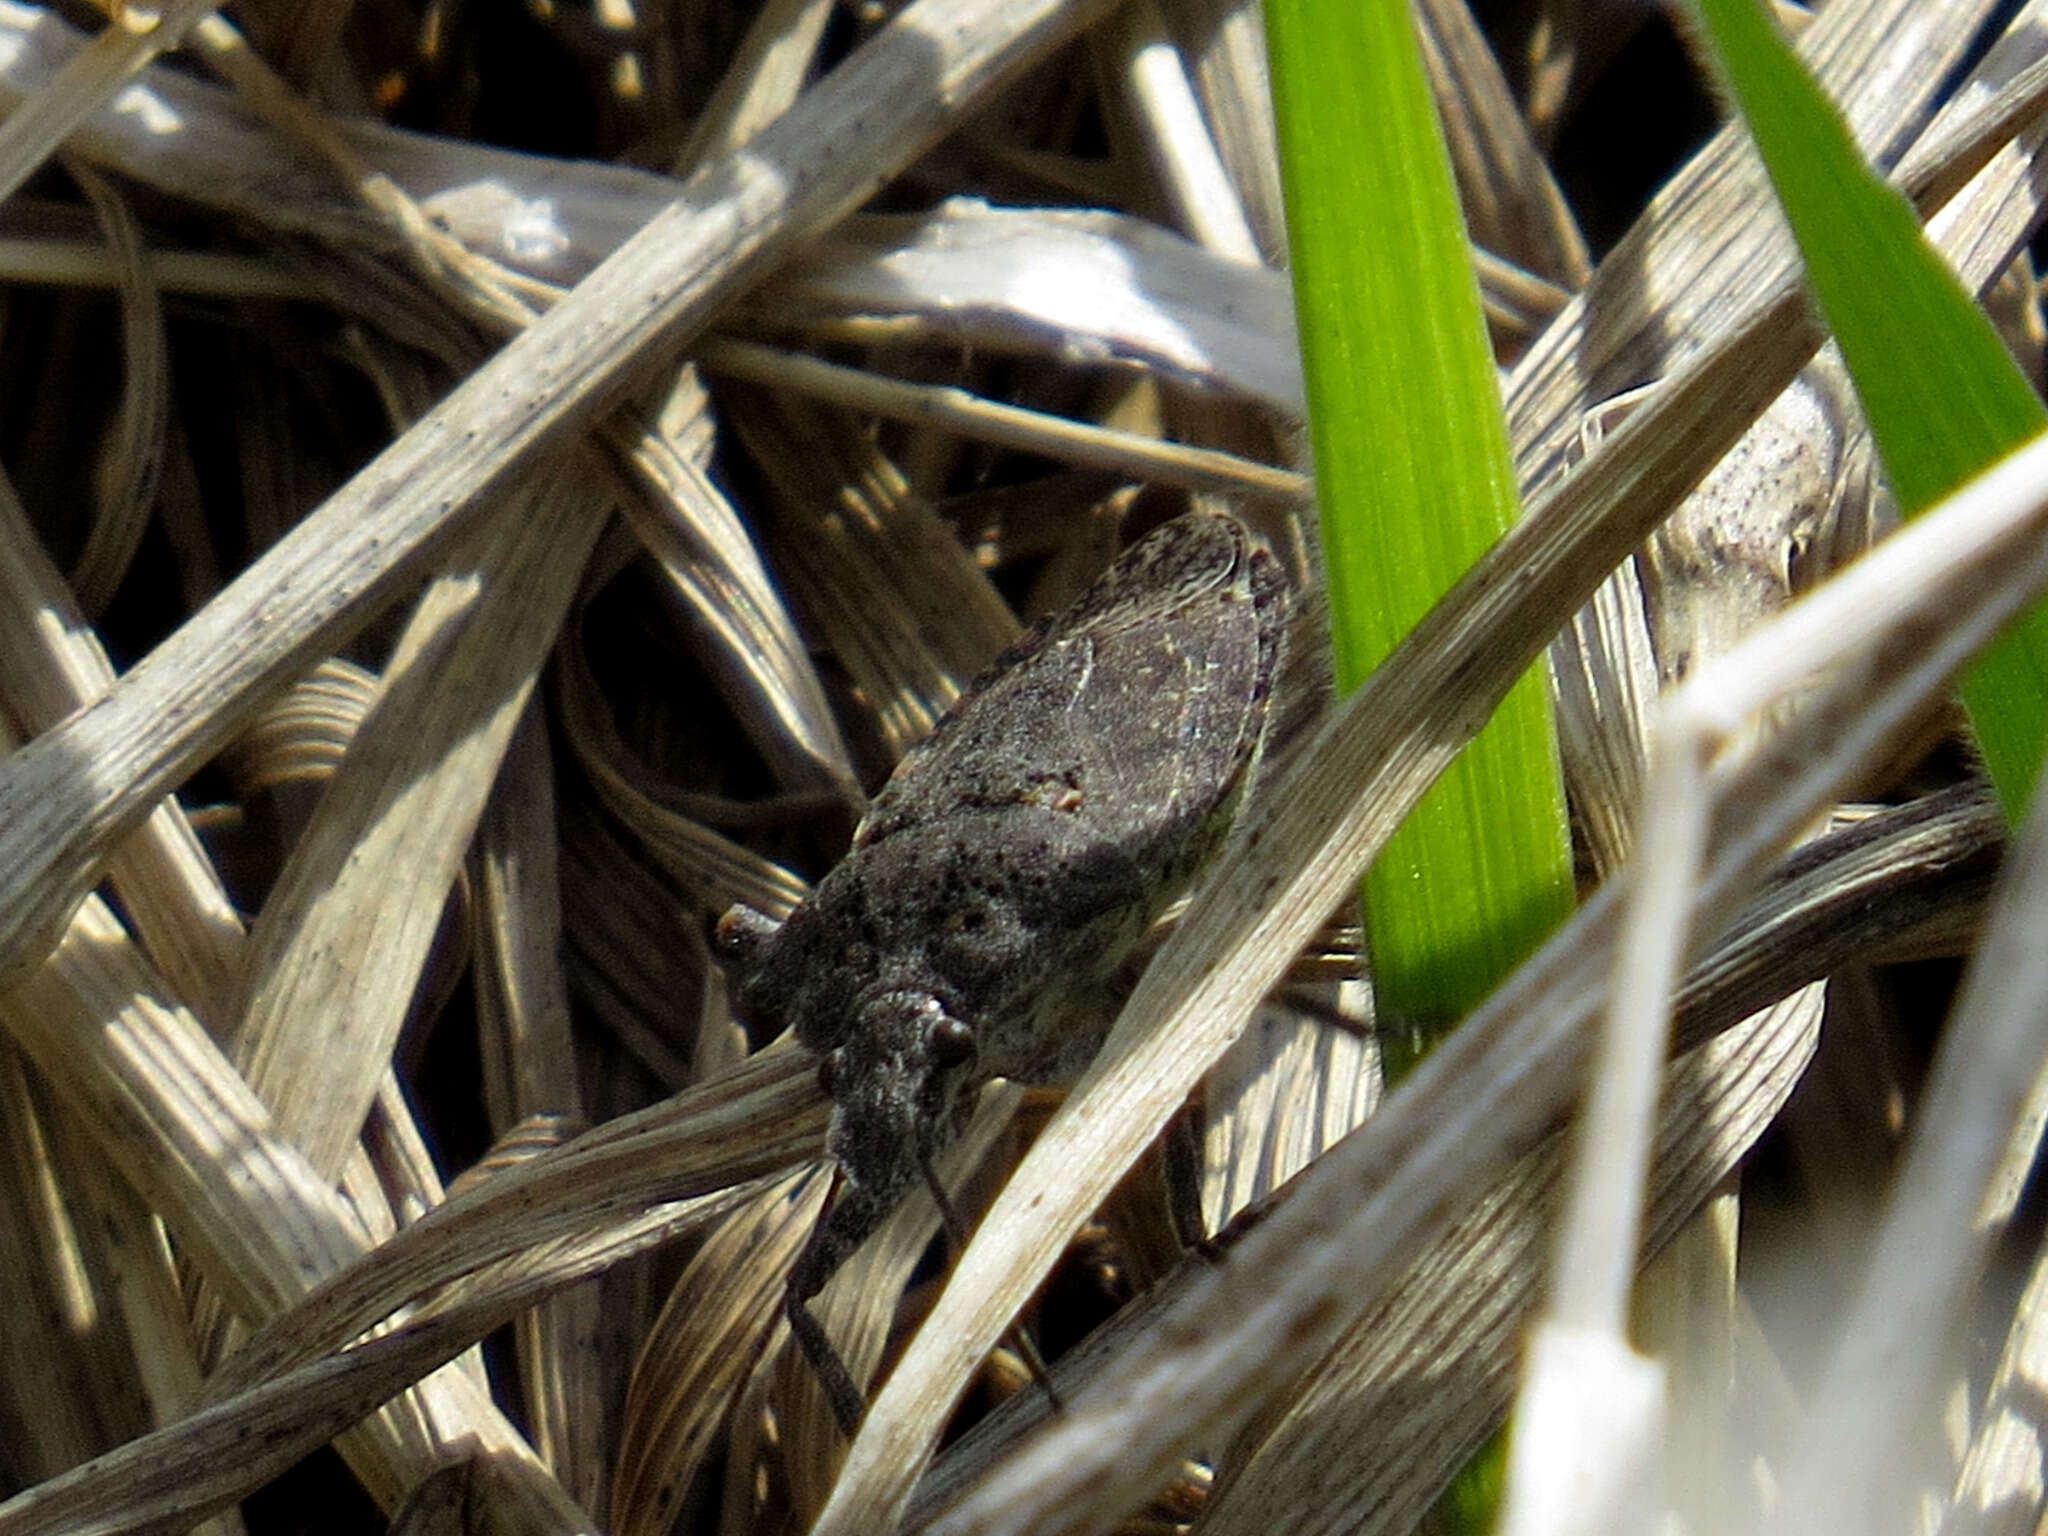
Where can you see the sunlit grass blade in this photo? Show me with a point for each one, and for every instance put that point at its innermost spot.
(1944, 398)
(1414, 479)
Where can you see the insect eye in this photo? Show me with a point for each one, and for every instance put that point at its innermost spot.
(952, 1042)
(828, 1073)
(743, 933)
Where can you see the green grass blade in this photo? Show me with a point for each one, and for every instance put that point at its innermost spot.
(1944, 398)
(1414, 479)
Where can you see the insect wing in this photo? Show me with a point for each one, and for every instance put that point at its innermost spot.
(1137, 710)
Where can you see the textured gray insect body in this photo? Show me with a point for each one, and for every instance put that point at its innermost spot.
(1010, 865)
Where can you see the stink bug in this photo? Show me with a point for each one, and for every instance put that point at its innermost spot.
(1008, 868)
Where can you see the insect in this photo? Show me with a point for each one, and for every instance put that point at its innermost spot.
(1009, 866)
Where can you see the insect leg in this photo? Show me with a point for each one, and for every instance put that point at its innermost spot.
(846, 1400)
(814, 1266)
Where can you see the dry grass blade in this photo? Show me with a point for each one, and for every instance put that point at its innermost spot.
(1493, 1259)
(1046, 281)
(758, 658)
(336, 956)
(529, 1066)
(701, 1347)
(1998, 1491)
(763, 1118)
(1981, 1123)
(213, 1460)
(221, 1451)
(1603, 676)
(1223, 45)
(53, 664)
(1699, 257)
(1512, 203)
(79, 263)
(87, 82)
(304, 733)
(65, 798)
(623, 957)
(882, 581)
(529, 1079)
(182, 1128)
(1129, 454)
(1909, 880)
(67, 1349)
(133, 454)
(763, 80)
(705, 863)
(1159, 101)
(1287, 1091)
